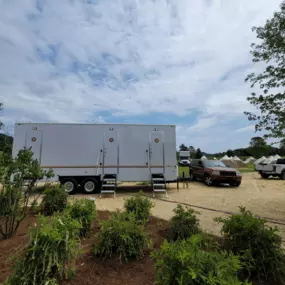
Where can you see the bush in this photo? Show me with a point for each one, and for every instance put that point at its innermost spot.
(54, 200)
(183, 224)
(258, 245)
(121, 234)
(85, 212)
(53, 245)
(185, 262)
(25, 172)
(140, 206)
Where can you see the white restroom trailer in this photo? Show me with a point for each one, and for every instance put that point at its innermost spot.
(96, 156)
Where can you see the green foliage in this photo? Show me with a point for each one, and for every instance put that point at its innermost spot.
(187, 262)
(122, 235)
(54, 200)
(258, 245)
(84, 211)
(16, 195)
(183, 224)
(271, 100)
(53, 246)
(198, 153)
(140, 206)
(183, 147)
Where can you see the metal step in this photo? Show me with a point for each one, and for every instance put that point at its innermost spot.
(109, 184)
(158, 184)
(159, 190)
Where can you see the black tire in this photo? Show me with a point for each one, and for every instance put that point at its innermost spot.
(235, 183)
(282, 176)
(90, 185)
(264, 175)
(208, 180)
(70, 185)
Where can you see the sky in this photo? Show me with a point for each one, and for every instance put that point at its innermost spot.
(179, 62)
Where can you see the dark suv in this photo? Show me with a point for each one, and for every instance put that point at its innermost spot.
(214, 172)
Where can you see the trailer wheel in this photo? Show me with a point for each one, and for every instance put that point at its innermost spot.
(282, 176)
(90, 185)
(70, 185)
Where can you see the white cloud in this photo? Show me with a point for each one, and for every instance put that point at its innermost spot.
(249, 128)
(203, 124)
(129, 57)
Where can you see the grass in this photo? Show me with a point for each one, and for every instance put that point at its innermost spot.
(182, 169)
(248, 168)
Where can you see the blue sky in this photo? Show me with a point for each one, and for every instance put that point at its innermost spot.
(177, 62)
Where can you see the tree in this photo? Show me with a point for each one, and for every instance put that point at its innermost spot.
(271, 99)
(198, 153)
(192, 151)
(282, 145)
(257, 142)
(183, 147)
(1, 108)
(14, 202)
(230, 152)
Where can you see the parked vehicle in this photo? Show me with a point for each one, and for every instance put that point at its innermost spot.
(96, 156)
(214, 172)
(276, 170)
(184, 158)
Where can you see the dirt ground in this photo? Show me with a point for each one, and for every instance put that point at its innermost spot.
(91, 270)
(265, 198)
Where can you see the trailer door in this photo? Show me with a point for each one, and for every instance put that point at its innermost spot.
(34, 140)
(156, 152)
(111, 152)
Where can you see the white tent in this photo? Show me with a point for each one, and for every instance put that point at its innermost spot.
(204, 157)
(215, 158)
(260, 160)
(249, 160)
(277, 156)
(270, 160)
(235, 158)
(225, 157)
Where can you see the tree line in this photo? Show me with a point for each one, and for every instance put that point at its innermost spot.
(257, 147)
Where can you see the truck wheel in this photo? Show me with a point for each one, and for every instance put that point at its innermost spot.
(90, 185)
(235, 183)
(264, 175)
(70, 185)
(208, 180)
(282, 176)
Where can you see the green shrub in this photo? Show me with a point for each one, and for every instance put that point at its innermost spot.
(183, 224)
(258, 245)
(54, 244)
(54, 200)
(84, 211)
(140, 206)
(122, 235)
(185, 262)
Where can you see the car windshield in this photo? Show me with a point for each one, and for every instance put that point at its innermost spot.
(214, 163)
